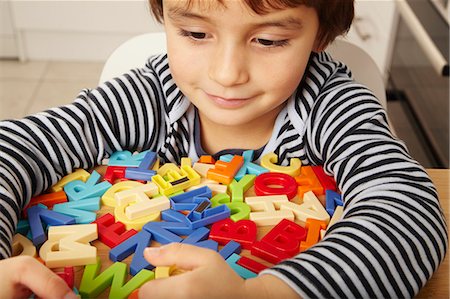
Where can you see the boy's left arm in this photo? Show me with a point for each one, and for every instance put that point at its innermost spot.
(392, 235)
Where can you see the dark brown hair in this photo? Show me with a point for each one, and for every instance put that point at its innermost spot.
(335, 16)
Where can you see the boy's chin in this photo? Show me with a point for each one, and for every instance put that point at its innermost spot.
(230, 119)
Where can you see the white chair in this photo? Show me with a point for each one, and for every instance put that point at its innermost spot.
(363, 67)
(135, 51)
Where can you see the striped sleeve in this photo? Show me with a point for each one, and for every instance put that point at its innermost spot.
(125, 113)
(393, 235)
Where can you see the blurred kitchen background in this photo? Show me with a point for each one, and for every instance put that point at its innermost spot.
(50, 50)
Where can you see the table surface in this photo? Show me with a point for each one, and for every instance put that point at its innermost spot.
(437, 286)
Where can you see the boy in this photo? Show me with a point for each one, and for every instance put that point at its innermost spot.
(250, 75)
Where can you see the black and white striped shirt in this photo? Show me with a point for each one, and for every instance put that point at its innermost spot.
(392, 236)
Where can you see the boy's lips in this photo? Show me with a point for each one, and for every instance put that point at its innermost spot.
(227, 102)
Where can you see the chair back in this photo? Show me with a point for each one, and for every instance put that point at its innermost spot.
(363, 67)
(133, 53)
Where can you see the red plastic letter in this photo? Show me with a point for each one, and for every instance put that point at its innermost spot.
(327, 182)
(286, 237)
(112, 233)
(263, 183)
(242, 231)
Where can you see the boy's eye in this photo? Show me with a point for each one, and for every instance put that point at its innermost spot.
(271, 43)
(193, 35)
(198, 35)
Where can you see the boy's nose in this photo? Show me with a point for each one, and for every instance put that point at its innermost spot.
(228, 66)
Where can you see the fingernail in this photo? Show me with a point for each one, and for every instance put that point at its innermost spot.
(152, 250)
(71, 295)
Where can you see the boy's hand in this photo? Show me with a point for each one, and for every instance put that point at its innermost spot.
(208, 276)
(23, 275)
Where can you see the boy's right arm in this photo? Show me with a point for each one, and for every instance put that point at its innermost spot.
(37, 151)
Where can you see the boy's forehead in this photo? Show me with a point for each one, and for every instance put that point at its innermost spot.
(184, 6)
(204, 6)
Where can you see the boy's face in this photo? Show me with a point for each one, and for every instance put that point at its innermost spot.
(235, 66)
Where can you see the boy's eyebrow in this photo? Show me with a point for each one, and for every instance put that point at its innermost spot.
(179, 13)
(290, 22)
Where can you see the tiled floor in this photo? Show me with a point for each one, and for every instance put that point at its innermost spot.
(27, 88)
(30, 87)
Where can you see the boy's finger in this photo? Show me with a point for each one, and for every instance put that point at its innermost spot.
(174, 287)
(43, 282)
(183, 256)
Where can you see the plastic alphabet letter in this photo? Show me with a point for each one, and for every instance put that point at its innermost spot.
(243, 232)
(138, 223)
(143, 205)
(307, 181)
(248, 167)
(126, 158)
(332, 200)
(164, 271)
(206, 159)
(74, 248)
(188, 197)
(286, 237)
(68, 275)
(310, 208)
(82, 210)
(285, 184)
(208, 216)
(202, 168)
(143, 172)
(93, 284)
(269, 161)
(168, 232)
(241, 271)
(230, 248)
(198, 238)
(77, 190)
(239, 211)
(337, 215)
(48, 200)
(22, 246)
(23, 227)
(224, 172)
(109, 199)
(114, 173)
(313, 226)
(265, 209)
(251, 265)
(79, 174)
(239, 188)
(327, 182)
(112, 233)
(134, 245)
(39, 213)
(268, 252)
(220, 199)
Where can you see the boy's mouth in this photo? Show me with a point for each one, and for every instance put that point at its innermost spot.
(227, 102)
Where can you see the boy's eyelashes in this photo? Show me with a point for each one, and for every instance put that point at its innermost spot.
(191, 34)
(271, 43)
(267, 43)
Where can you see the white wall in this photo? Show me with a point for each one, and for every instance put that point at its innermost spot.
(91, 30)
(8, 46)
(77, 30)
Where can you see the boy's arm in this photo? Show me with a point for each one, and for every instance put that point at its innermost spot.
(37, 151)
(393, 235)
